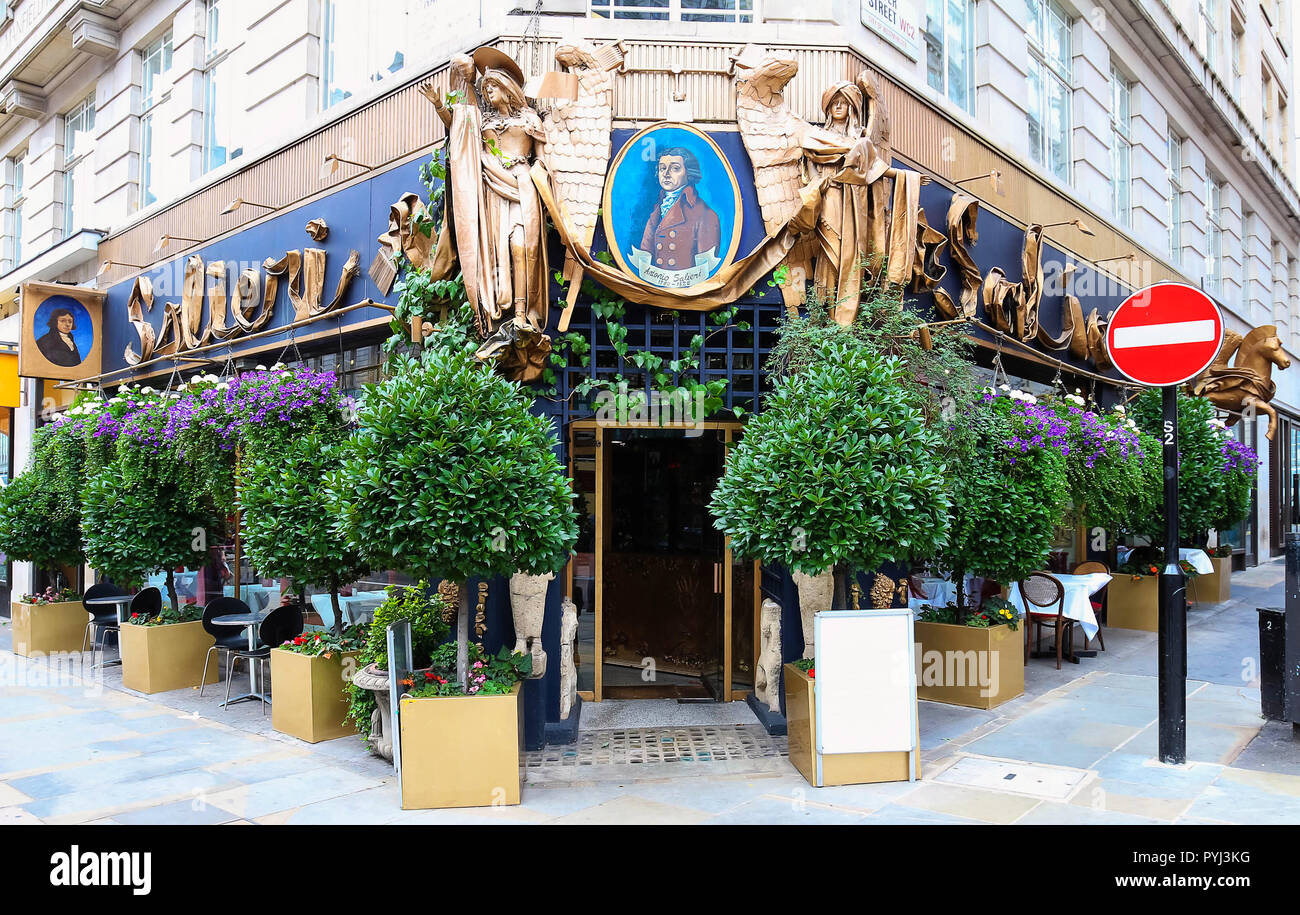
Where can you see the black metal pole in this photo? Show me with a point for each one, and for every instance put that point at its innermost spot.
(1173, 605)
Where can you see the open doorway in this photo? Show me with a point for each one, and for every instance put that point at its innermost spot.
(668, 614)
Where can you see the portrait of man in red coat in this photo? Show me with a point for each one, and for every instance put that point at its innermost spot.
(682, 231)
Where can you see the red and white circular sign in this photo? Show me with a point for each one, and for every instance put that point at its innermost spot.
(1164, 334)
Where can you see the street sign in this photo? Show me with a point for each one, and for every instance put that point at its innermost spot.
(1164, 334)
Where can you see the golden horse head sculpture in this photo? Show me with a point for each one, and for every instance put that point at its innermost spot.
(1247, 384)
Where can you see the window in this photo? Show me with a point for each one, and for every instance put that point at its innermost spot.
(677, 10)
(1207, 36)
(949, 34)
(364, 42)
(1213, 235)
(1266, 108)
(1174, 165)
(78, 169)
(223, 132)
(156, 59)
(17, 166)
(1049, 87)
(1121, 145)
(1238, 39)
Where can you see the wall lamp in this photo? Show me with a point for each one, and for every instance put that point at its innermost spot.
(241, 202)
(109, 264)
(1077, 223)
(166, 240)
(331, 163)
(995, 180)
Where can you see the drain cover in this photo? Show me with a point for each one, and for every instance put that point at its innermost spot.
(1055, 782)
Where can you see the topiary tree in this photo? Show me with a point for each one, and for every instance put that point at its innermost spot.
(451, 477)
(1009, 493)
(839, 468)
(134, 525)
(1202, 493)
(40, 511)
(289, 522)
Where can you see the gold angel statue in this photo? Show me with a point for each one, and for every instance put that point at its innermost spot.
(495, 211)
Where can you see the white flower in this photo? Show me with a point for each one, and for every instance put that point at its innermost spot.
(1119, 408)
(1074, 399)
(1004, 387)
(146, 390)
(260, 368)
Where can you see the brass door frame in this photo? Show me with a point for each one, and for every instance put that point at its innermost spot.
(728, 428)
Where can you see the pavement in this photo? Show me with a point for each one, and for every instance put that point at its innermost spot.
(1077, 748)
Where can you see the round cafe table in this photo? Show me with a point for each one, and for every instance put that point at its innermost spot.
(250, 621)
(1078, 604)
(121, 602)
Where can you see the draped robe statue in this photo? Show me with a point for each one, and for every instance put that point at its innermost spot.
(497, 214)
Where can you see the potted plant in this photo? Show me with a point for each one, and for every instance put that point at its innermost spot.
(40, 519)
(450, 476)
(369, 708)
(1133, 596)
(1217, 586)
(310, 675)
(1011, 491)
(166, 651)
(845, 466)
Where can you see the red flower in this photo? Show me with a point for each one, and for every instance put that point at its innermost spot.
(812, 673)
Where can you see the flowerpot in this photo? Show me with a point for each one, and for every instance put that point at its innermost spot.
(1216, 587)
(838, 768)
(158, 659)
(461, 751)
(528, 609)
(41, 629)
(381, 719)
(1133, 603)
(970, 666)
(815, 594)
(311, 699)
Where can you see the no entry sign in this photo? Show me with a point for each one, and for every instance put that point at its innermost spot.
(1164, 334)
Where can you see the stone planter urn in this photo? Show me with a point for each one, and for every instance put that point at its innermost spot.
(528, 607)
(815, 593)
(381, 719)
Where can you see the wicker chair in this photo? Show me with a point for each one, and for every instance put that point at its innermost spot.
(1043, 590)
(1087, 568)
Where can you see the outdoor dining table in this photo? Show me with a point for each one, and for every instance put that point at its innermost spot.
(121, 602)
(251, 621)
(1078, 604)
(1199, 559)
(939, 593)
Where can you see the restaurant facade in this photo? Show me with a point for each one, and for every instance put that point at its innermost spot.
(1067, 162)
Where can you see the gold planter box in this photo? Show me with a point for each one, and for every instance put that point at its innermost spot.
(1216, 587)
(970, 661)
(1133, 604)
(837, 768)
(158, 659)
(311, 699)
(461, 751)
(42, 629)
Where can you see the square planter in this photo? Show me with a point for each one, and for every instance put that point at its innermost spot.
(311, 699)
(158, 659)
(41, 629)
(838, 768)
(1216, 587)
(461, 751)
(965, 665)
(1133, 604)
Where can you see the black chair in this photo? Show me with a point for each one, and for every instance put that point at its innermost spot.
(224, 638)
(103, 620)
(279, 626)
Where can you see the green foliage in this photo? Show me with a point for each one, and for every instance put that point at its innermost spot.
(289, 522)
(167, 616)
(417, 605)
(450, 475)
(1203, 497)
(489, 675)
(322, 643)
(994, 611)
(842, 466)
(1005, 501)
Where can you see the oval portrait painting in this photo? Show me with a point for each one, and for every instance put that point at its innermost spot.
(672, 207)
(63, 330)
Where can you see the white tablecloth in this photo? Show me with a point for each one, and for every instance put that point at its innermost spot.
(939, 592)
(1078, 606)
(1199, 559)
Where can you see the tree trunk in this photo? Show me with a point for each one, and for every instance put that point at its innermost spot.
(338, 612)
(462, 637)
(959, 575)
(171, 589)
